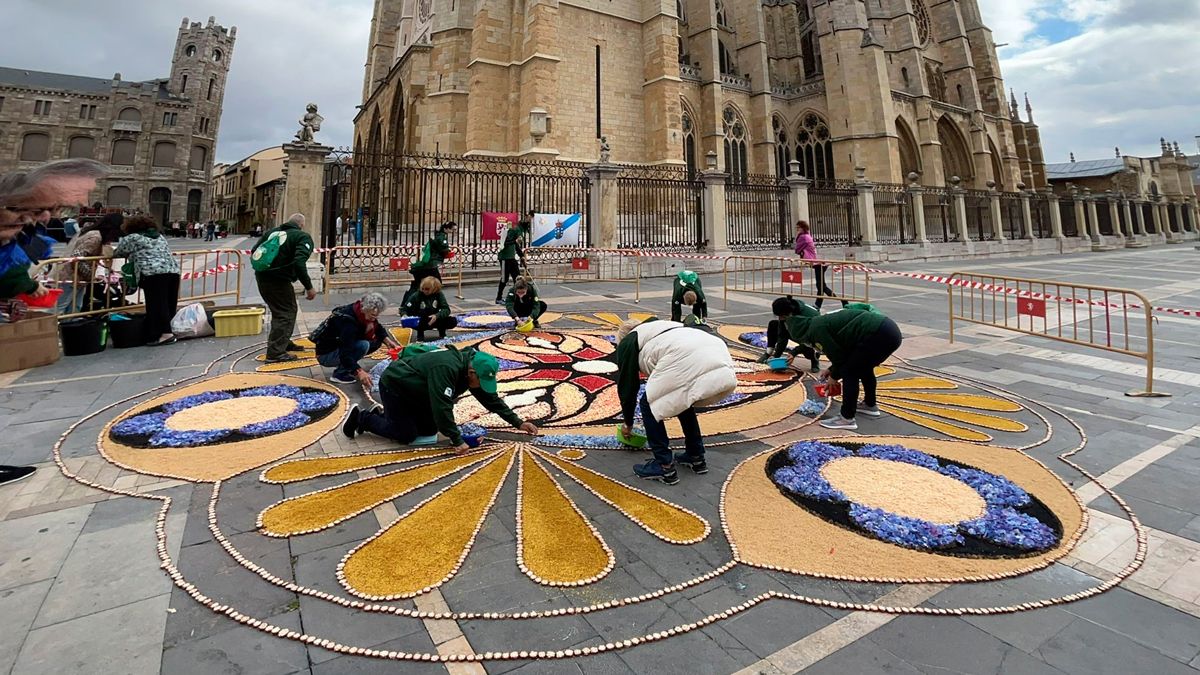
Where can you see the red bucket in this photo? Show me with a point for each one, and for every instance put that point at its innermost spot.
(50, 299)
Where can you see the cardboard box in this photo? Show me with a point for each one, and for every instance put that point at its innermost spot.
(29, 343)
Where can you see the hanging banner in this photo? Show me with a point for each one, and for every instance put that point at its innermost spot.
(557, 229)
(496, 224)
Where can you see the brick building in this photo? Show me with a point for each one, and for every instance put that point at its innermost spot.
(157, 135)
(248, 191)
(895, 86)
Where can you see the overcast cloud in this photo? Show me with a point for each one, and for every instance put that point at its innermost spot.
(1101, 73)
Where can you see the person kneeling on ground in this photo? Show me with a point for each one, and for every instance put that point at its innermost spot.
(429, 305)
(523, 303)
(349, 334)
(686, 290)
(418, 392)
(778, 335)
(856, 340)
(684, 369)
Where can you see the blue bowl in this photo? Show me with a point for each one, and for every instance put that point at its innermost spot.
(779, 363)
(410, 321)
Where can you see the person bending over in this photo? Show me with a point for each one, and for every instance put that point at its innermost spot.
(523, 302)
(778, 335)
(687, 290)
(348, 334)
(433, 254)
(429, 305)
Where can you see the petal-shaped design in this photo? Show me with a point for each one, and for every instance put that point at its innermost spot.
(663, 519)
(917, 383)
(884, 371)
(975, 401)
(568, 400)
(316, 511)
(286, 365)
(600, 409)
(314, 467)
(951, 430)
(424, 548)
(556, 545)
(306, 355)
(977, 419)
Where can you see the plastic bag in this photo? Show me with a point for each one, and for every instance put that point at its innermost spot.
(192, 322)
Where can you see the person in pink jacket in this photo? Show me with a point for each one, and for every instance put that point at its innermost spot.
(806, 248)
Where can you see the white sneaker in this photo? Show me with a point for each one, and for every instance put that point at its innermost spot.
(840, 422)
(870, 410)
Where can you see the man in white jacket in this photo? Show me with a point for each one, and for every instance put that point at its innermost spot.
(684, 368)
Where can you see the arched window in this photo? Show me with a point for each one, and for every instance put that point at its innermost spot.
(728, 67)
(736, 164)
(810, 54)
(910, 156)
(689, 143)
(783, 150)
(212, 85)
(160, 205)
(997, 166)
(199, 158)
(722, 19)
(82, 146)
(803, 13)
(118, 195)
(921, 15)
(123, 152)
(956, 158)
(193, 206)
(183, 84)
(164, 154)
(814, 148)
(35, 147)
(130, 115)
(190, 50)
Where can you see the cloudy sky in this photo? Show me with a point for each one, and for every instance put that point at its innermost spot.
(1101, 73)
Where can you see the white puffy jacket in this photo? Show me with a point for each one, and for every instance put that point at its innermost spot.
(685, 367)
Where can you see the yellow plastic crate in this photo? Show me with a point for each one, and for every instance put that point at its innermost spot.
(235, 322)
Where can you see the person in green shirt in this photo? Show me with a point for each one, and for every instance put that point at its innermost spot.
(288, 265)
(418, 392)
(687, 290)
(515, 240)
(433, 254)
(856, 340)
(778, 335)
(523, 302)
(430, 307)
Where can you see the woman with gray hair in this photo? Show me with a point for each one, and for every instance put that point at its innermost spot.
(349, 334)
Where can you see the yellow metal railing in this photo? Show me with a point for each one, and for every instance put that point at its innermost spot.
(778, 276)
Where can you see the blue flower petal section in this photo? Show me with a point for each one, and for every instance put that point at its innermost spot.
(286, 423)
(903, 531)
(140, 425)
(280, 390)
(997, 491)
(195, 400)
(506, 364)
(807, 482)
(756, 339)
(472, 430)
(582, 441)
(168, 438)
(816, 453)
(899, 453)
(1011, 528)
(315, 401)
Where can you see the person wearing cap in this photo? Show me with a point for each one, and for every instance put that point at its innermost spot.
(523, 302)
(419, 390)
(686, 290)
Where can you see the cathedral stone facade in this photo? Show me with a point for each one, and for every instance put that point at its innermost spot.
(158, 136)
(893, 86)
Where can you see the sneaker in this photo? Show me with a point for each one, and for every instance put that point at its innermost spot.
(12, 474)
(350, 426)
(425, 440)
(840, 422)
(814, 366)
(870, 410)
(293, 347)
(652, 470)
(341, 379)
(697, 464)
(499, 301)
(282, 359)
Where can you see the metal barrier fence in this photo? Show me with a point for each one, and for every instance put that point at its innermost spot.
(573, 265)
(843, 280)
(894, 222)
(204, 275)
(382, 265)
(659, 208)
(1115, 320)
(979, 215)
(833, 213)
(758, 213)
(1012, 215)
(940, 225)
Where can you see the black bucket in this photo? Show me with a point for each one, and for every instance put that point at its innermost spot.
(127, 332)
(85, 335)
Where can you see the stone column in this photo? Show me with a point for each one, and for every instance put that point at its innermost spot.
(1056, 228)
(1027, 212)
(997, 214)
(1094, 218)
(798, 195)
(602, 205)
(716, 229)
(959, 196)
(1128, 218)
(1159, 224)
(1081, 222)
(304, 191)
(1141, 217)
(866, 207)
(918, 207)
(1114, 214)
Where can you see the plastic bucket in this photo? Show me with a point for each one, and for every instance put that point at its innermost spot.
(410, 321)
(82, 336)
(526, 327)
(779, 363)
(126, 330)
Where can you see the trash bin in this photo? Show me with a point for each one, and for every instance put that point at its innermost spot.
(82, 336)
(127, 330)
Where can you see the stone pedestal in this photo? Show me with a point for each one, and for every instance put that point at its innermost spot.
(304, 189)
(716, 227)
(603, 205)
(798, 192)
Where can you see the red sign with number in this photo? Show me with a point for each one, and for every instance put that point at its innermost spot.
(1031, 307)
(580, 264)
(400, 264)
(793, 277)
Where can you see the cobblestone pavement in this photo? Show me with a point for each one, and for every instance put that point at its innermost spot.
(82, 589)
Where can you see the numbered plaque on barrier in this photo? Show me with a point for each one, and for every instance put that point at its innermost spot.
(580, 264)
(793, 277)
(399, 264)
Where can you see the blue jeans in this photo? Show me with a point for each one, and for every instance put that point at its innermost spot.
(334, 359)
(660, 442)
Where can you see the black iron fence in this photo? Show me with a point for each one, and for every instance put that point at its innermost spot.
(1148, 217)
(979, 215)
(758, 213)
(894, 223)
(940, 224)
(1012, 215)
(833, 212)
(1104, 217)
(660, 208)
(1039, 211)
(1070, 223)
(1173, 217)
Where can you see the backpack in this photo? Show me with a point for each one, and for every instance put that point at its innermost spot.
(264, 256)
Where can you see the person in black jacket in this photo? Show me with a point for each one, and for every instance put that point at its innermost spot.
(430, 307)
(349, 334)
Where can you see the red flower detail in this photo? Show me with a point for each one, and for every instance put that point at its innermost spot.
(548, 374)
(590, 354)
(592, 383)
(553, 358)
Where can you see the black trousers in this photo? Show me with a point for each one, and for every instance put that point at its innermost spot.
(162, 301)
(823, 291)
(280, 297)
(402, 419)
(860, 367)
(525, 309)
(441, 325)
(509, 270)
(778, 338)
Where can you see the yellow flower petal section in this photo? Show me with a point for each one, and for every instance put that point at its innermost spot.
(424, 548)
(319, 510)
(976, 401)
(610, 318)
(400, 334)
(951, 430)
(977, 419)
(305, 343)
(306, 354)
(918, 383)
(286, 365)
(664, 520)
(314, 467)
(556, 545)
(884, 371)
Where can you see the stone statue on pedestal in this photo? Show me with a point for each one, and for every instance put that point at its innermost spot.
(605, 150)
(310, 124)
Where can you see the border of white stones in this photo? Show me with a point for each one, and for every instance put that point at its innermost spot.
(520, 530)
(262, 476)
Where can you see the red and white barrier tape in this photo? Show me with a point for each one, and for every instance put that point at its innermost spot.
(213, 271)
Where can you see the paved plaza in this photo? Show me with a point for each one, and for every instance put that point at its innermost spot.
(177, 575)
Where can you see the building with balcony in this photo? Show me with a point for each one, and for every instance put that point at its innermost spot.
(248, 191)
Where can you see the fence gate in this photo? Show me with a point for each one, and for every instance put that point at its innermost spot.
(833, 212)
(660, 208)
(758, 213)
(894, 222)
